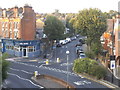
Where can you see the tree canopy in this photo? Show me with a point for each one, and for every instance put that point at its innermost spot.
(54, 28)
(90, 23)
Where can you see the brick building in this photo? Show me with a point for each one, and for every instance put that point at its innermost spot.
(18, 31)
(18, 23)
(112, 36)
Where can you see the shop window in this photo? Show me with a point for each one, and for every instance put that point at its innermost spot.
(31, 49)
(7, 47)
(16, 48)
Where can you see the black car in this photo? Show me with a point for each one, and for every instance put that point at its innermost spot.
(82, 41)
(79, 44)
(58, 44)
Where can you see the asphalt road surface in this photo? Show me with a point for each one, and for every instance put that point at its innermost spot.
(20, 72)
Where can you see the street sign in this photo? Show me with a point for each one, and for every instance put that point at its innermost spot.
(112, 64)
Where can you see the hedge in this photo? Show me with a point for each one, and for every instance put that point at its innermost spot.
(89, 66)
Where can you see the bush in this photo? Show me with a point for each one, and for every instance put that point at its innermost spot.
(90, 54)
(99, 71)
(89, 66)
(4, 65)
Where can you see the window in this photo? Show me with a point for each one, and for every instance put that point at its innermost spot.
(119, 35)
(31, 49)
(15, 34)
(15, 25)
(3, 24)
(10, 25)
(9, 47)
(16, 48)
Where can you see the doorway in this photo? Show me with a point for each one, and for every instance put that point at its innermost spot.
(24, 52)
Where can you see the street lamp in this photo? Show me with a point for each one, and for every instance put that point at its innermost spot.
(67, 52)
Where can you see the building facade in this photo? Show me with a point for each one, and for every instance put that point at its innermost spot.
(112, 38)
(26, 48)
(18, 23)
(18, 31)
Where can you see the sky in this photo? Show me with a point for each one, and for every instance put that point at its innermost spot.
(64, 6)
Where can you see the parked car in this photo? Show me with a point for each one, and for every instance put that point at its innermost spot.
(82, 41)
(78, 44)
(82, 55)
(58, 44)
(77, 35)
(68, 40)
(62, 42)
(79, 51)
(73, 38)
(78, 48)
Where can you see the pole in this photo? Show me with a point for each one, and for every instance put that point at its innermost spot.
(67, 70)
(67, 52)
(112, 47)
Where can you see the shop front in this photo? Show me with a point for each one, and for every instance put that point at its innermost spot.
(20, 48)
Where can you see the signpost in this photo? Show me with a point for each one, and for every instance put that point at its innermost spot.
(112, 64)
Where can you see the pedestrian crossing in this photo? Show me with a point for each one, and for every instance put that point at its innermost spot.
(51, 69)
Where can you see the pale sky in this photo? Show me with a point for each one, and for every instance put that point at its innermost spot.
(64, 6)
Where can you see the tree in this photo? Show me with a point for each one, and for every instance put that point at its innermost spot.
(91, 23)
(4, 65)
(69, 22)
(54, 28)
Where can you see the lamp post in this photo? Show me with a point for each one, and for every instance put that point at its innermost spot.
(67, 52)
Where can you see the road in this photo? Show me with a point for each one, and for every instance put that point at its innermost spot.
(20, 72)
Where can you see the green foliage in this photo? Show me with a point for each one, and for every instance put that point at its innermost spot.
(4, 65)
(91, 23)
(90, 67)
(96, 48)
(54, 28)
(98, 71)
(90, 54)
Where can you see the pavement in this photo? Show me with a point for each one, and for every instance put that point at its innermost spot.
(47, 83)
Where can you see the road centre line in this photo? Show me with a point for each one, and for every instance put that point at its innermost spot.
(25, 79)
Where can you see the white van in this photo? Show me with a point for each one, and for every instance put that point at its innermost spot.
(68, 39)
(63, 42)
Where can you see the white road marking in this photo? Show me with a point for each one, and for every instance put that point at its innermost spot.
(21, 70)
(82, 82)
(65, 64)
(25, 80)
(53, 69)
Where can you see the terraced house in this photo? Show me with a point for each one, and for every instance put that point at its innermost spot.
(18, 30)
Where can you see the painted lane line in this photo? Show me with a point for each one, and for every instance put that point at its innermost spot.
(21, 70)
(26, 72)
(25, 79)
(53, 69)
(14, 69)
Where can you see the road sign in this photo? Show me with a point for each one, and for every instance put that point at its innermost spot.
(112, 64)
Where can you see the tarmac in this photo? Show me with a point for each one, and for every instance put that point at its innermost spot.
(50, 83)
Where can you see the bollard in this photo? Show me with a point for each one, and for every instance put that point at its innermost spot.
(58, 60)
(35, 73)
(47, 62)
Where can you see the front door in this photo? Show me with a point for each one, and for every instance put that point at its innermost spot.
(24, 52)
